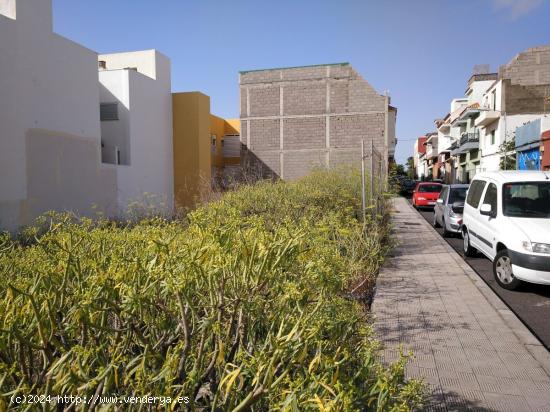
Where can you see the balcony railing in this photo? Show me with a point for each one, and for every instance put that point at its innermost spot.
(469, 137)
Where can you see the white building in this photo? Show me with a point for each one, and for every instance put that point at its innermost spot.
(136, 126)
(496, 126)
(50, 138)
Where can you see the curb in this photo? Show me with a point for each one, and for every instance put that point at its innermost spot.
(531, 343)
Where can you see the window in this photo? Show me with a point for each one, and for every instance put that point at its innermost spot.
(491, 197)
(526, 199)
(458, 194)
(474, 194)
(493, 137)
(494, 100)
(443, 194)
(108, 111)
(429, 188)
(213, 137)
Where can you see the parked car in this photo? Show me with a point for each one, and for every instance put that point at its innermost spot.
(425, 194)
(407, 187)
(507, 218)
(449, 207)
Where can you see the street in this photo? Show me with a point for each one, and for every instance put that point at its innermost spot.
(531, 303)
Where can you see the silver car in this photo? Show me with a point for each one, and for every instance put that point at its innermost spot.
(449, 207)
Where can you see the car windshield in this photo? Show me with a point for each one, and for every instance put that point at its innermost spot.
(429, 188)
(526, 199)
(457, 195)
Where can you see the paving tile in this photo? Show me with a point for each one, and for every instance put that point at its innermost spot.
(466, 341)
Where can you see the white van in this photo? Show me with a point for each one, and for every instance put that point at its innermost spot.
(507, 218)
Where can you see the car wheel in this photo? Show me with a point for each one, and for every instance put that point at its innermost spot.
(502, 270)
(434, 223)
(469, 251)
(445, 231)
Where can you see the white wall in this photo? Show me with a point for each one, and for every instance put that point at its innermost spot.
(50, 138)
(145, 109)
(478, 89)
(490, 158)
(48, 88)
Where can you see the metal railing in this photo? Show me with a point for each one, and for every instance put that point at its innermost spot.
(469, 137)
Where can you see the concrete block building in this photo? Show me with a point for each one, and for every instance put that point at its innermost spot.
(297, 118)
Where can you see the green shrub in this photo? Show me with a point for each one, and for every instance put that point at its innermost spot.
(244, 306)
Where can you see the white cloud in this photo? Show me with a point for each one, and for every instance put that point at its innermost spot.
(516, 8)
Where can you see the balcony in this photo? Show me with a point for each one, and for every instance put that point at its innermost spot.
(469, 137)
(487, 117)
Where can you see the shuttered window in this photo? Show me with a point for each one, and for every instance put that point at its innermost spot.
(108, 111)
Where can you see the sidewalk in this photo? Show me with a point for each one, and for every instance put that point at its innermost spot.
(469, 347)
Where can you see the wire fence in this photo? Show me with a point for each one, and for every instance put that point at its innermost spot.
(373, 168)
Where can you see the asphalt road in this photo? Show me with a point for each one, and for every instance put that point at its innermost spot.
(531, 303)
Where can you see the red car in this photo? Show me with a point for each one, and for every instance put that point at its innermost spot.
(425, 194)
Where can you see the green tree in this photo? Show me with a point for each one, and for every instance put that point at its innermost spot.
(507, 151)
(410, 167)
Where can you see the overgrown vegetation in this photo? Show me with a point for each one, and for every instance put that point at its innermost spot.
(246, 306)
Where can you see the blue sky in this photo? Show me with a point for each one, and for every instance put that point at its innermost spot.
(422, 52)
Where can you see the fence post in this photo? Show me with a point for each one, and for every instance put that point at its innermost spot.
(363, 189)
(372, 170)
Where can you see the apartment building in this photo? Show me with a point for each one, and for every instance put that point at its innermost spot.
(519, 95)
(136, 127)
(472, 135)
(295, 119)
(50, 140)
(74, 137)
(418, 157)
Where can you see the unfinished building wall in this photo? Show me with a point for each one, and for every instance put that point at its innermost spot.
(296, 119)
(530, 67)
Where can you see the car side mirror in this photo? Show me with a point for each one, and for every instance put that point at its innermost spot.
(439, 201)
(486, 210)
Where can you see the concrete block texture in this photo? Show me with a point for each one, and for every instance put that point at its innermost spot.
(311, 116)
(347, 131)
(341, 157)
(304, 133)
(264, 134)
(270, 160)
(530, 67)
(298, 163)
(264, 101)
(260, 76)
(243, 101)
(305, 98)
(244, 132)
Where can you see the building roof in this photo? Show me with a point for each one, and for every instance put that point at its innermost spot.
(482, 77)
(295, 67)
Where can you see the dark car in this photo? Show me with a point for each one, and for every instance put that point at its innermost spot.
(407, 187)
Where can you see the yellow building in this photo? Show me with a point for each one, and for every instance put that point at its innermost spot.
(204, 145)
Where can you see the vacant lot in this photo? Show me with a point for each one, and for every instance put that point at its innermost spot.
(245, 305)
